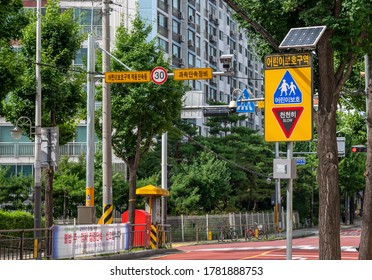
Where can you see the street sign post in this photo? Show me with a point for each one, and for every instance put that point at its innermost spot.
(159, 75)
(288, 97)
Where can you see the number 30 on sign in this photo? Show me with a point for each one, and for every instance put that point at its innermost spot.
(159, 75)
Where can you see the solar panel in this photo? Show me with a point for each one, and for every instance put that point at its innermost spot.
(302, 38)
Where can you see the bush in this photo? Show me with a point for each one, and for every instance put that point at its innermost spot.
(16, 220)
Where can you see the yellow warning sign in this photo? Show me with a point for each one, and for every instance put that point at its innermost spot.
(193, 74)
(288, 98)
(128, 77)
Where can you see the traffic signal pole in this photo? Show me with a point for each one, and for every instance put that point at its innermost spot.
(106, 120)
(164, 175)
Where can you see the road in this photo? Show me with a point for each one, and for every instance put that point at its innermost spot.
(302, 249)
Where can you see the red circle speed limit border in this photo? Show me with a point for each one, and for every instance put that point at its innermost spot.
(159, 75)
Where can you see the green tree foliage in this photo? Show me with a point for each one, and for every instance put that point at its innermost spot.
(62, 93)
(201, 187)
(13, 19)
(345, 41)
(69, 188)
(70, 183)
(16, 220)
(63, 96)
(250, 161)
(144, 110)
(15, 191)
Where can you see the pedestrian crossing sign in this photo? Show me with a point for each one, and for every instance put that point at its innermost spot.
(287, 91)
(244, 106)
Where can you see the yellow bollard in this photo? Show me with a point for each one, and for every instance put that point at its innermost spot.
(210, 235)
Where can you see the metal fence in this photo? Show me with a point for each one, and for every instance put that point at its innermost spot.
(20, 244)
(207, 227)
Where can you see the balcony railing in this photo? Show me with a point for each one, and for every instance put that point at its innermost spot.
(26, 149)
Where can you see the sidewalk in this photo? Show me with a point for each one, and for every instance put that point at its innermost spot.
(297, 233)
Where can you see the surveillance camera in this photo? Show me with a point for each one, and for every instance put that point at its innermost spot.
(226, 60)
(233, 106)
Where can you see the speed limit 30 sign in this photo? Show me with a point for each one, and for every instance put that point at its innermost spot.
(159, 75)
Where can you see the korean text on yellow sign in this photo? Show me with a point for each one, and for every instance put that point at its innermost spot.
(128, 77)
(193, 74)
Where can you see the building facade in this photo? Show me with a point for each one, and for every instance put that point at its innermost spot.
(193, 34)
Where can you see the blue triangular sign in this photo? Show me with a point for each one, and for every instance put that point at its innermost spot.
(287, 91)
(244, 106)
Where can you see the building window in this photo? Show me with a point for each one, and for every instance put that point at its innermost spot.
(198, 85)
(176, 27)
(198, 63)
(191, 59)
(162, 20)
(197, 42)
(80, 57)
(191, 36)
(221, 35)
(176, 51)
(163, 45)
(176, 4)
(84, 16)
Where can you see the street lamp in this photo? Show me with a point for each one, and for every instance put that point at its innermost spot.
(21, 122)
(16, 133)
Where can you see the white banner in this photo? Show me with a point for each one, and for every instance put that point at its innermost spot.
(84, 240)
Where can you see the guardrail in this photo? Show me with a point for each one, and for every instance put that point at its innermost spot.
(19, 244)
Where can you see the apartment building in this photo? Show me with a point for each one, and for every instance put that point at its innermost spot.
(193, 34)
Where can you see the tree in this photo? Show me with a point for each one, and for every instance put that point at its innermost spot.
(10, 30)
(68, 187)
(15, 190)
(201, 187)
(249, 159)
(346, 38)
(144, 110)
(62, 91)
(365, 249)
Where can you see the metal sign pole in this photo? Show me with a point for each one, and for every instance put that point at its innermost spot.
(289, 206)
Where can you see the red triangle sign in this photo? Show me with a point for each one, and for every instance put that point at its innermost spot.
(288, 118)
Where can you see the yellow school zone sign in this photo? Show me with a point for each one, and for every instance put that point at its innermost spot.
(288, 97)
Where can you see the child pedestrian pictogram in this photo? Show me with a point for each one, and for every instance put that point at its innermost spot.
(283, 88)
(287, 91)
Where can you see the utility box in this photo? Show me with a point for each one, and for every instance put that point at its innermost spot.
(86, 215)
(284, 168)
(141, 229)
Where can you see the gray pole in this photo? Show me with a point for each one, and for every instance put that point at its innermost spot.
(289, 206)
(37, 164)
(106, 120)
(164, 175)
(278, 193)
(89, 198)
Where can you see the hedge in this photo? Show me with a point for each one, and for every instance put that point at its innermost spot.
(16, 220)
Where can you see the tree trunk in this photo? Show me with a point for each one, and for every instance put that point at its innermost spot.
(365, 248)
(329, 195)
